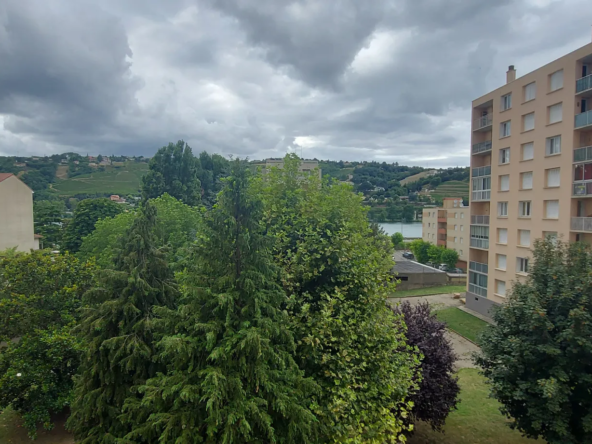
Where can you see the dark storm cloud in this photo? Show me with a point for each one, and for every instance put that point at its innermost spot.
(387, 80)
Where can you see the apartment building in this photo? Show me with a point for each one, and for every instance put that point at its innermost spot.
(531, 172)
(16, 215)
(448, 226)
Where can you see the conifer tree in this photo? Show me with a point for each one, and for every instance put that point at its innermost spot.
(117, 330)
(231, 374)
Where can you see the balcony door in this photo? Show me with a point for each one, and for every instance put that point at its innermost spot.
(583, 105)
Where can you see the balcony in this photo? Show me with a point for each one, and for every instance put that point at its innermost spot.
(478, 278)
(583, 224)
(442, 220)
(583, 154)
(584, 85)
(478, 267)
(479, 220)
(581, 189)
(482, 147)
(482, 171)
(482, 195)
(441, 230)
(478, 290)
(480, 243)
(483, 123)
(584, 120)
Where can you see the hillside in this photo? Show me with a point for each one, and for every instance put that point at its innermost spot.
(453, 188)
(124, 180)
(417, 176)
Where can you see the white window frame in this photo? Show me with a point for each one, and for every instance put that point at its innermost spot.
(522, 265)
(553, 145)
(523, 176)
(530, 146)
(506, 102)
(502, 209)
(504, 156)
(524, 208)
(528, 122)
(506, 129)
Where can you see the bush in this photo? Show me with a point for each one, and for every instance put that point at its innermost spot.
(538, 355)
(449, 257)
(438, 390)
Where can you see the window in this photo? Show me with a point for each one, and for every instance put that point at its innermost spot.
(504, 183)
(551, 235)
(429, 225)
(456, 215)
(530, 91)
(502, 235)
(552, 209)
(501, 261)
(556, 81)
(553, 177)
(528, 151)
(502, 209)
(553, 145)
(461, 240)
(455, 240)
(504, 156)
(462, 228)
(528, 122)
(556, 113)
(506, 102)
(524, 208)
(462, 215)
(526, 180)
(505, 128)
(500, 288)
(455, 227)
(460, 253)
(524, 238)
(522, 265)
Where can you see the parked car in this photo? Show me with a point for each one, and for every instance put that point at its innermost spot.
(457, 271)
(430, 264)
(408, 255)
(445, 268)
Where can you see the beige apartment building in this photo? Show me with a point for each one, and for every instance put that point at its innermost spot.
(531, 172)
(16, 215)
(449, 227)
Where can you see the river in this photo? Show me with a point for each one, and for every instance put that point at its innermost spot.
(408, 230)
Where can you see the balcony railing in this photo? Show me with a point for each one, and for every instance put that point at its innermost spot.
(479, 243)
(482, 147)
(583, 84)
(482, 122)
(478, 267)
(581, 224)
(582, 188)
(479, 220)
(479, 291)
(482, 171)
(481, 195)
(583, 154)
(584, 119)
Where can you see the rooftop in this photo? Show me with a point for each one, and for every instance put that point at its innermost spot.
(4, 176)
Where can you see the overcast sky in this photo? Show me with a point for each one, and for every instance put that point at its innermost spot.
(387, 80)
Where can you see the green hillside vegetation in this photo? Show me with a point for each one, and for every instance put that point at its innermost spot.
(415, 177)
(124, 179)
(453, 188)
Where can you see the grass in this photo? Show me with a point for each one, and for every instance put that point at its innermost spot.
(477, 420)
(12, 432)
(429, 291)
(124, 180)
(453, 188)
(461, 322)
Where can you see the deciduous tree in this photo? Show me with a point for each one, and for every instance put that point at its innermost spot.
(449, 257)
(538, 355)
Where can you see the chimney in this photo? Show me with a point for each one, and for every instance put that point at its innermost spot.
(511, 74)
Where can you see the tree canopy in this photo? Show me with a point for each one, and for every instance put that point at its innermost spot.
(86, 215)
(538, 355)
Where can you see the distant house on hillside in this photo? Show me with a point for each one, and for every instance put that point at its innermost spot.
(16, 208)
(306, 166)
(91, 158)
(105, 161)
(20, 164)
(117, 198)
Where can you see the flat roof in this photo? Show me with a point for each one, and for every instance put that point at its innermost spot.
(412, 267)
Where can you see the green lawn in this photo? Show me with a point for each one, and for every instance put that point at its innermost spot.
(429, 291)
(11, 431)
(123, 180)
(462, 323)
(477, 420)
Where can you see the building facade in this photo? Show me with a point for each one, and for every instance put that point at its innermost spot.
(449, 227)
(531, 172)
(16, 215)
(306, 166)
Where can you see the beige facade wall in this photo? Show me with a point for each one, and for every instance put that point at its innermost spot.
(16, 215)
(551, 201)
(448, 226)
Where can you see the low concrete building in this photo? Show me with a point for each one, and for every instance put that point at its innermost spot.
(415, 275)
(16, 215)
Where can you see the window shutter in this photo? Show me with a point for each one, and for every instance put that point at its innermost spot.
(526, 181)
(553, 177)
(530, 91)
(504, 183)
(556, 80)
(525, 238)
(503, 236)
(501, 288)
(529, 122)
(556, 113)
(552, 211)
(501, 261)
(527, 151)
